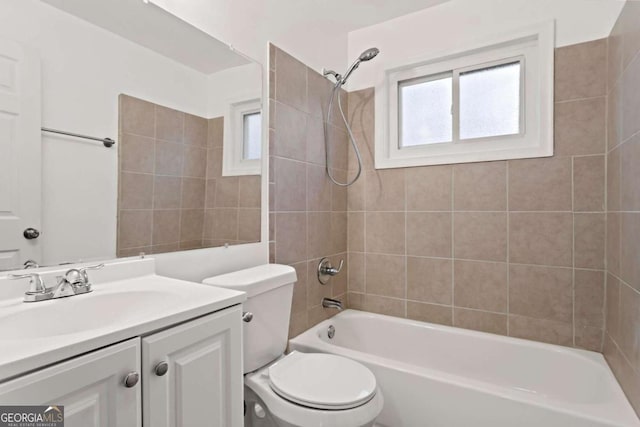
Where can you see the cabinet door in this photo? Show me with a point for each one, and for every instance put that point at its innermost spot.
(91, 388)
(203, 384)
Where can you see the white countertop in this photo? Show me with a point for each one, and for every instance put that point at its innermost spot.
(121, 309)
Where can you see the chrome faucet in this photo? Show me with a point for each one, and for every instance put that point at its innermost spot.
(74, 282)
(332, 303)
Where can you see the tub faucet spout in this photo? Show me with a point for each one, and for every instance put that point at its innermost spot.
(332, 303)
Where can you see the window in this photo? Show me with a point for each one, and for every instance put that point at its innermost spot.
(242, 149)
(491, 102)
(252, 136)
(425, 112)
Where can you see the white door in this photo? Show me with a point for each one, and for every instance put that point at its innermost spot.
(20, 158)
(91, 388)
(202, 385)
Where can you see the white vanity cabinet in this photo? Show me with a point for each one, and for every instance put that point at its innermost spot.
(91, 388)
(192, 373)
(188, 375)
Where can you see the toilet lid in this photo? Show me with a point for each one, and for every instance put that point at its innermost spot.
(322, 381)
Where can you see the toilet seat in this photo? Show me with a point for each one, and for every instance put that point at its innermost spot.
(322, 381)
(288, 413)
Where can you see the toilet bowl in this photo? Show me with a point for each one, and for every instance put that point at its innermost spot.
(297, 389)
(315, 390)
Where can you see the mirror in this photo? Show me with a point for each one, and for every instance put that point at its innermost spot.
(185, 112)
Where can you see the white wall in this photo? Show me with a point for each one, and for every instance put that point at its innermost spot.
(451, 25)
(249, 25)
(233, 85)
(84, 68)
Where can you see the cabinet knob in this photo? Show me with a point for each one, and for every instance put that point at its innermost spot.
(131, 379)
(161, 368)
(247, 316)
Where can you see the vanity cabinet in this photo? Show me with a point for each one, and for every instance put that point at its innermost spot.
(192, 373)
(187, 375)
(91, 388)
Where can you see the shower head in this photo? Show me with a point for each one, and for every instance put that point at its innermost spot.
(367, 55)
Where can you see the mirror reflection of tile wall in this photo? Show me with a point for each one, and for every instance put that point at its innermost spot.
(172, 195)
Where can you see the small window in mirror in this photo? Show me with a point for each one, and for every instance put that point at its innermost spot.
(251, 135)
(242, 143)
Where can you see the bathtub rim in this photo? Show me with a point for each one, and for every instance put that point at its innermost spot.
(617, 403)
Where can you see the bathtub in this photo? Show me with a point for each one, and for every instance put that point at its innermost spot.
(438, 376)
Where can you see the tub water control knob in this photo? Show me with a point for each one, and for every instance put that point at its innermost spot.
(247, 316)
(326, 270)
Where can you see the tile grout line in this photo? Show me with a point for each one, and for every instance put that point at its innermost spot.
(573, 253)
(508, 264)
(606, 201)
(453, 258)
(153, 181)
(406, 259)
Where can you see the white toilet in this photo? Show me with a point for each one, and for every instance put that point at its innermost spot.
(299, 389)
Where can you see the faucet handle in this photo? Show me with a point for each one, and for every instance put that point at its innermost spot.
(83, 272)
(326, 270)
(36, 284)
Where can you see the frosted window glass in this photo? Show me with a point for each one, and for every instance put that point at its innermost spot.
(251, 134)
(490, 101)
(425, 112)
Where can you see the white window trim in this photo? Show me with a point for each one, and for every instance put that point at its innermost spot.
(233, 162)
(534, 45)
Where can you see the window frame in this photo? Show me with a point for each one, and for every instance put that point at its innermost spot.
(233, 161)
(532, 46)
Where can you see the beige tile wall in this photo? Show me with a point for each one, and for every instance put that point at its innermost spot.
(232, 203)
(171, 192)
(509, 247)
(307, 214)
(622, 339)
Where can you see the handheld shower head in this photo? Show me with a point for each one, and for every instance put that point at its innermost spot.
(367, 55)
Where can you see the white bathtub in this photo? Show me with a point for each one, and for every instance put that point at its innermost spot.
(438, 376)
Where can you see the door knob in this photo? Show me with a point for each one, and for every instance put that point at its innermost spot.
(131, 379)
(31, 233)
(161, 368)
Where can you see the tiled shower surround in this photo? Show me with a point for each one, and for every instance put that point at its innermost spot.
(307, 214)
(545, 249)
(509, 247)
(622, 338)
(172, 195)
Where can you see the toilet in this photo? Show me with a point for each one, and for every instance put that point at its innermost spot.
(297, 389)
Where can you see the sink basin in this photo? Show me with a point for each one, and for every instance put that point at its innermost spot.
(81, 313)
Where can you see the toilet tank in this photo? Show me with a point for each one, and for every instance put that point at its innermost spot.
(269, 291)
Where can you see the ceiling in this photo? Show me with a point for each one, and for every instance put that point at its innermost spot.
(314, 30)
(349, 15)
(154, 28)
